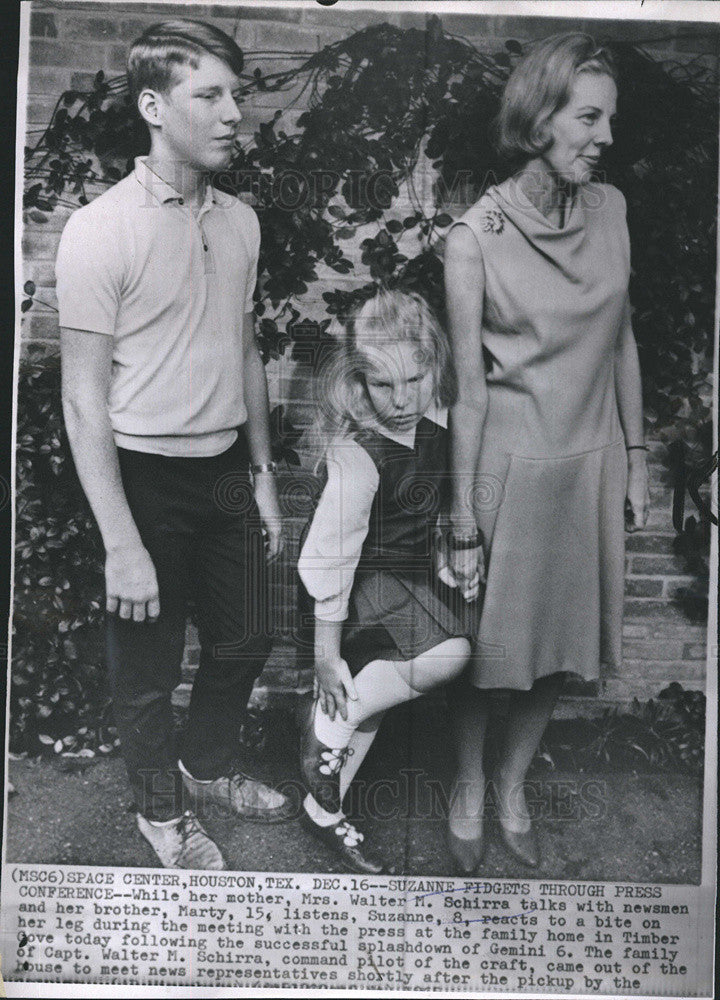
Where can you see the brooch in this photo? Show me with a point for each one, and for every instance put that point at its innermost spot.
(494, 221)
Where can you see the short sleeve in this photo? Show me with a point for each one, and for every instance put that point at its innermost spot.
(333, 545)
(89, 273)
(253, 225)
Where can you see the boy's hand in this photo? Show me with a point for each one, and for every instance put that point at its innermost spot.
(131, 584)
(267, 501)
(333, 686)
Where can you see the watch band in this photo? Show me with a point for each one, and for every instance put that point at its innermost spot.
(261, 467)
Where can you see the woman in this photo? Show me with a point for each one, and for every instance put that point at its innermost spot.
(537, 285)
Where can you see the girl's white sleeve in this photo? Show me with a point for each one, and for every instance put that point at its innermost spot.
(333, 545)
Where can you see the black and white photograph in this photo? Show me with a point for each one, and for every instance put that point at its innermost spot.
(365, 496)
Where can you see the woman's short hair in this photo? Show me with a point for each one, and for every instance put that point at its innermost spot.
(177, 42)
(539, 86)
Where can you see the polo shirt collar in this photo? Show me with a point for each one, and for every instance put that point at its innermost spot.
(164, 192)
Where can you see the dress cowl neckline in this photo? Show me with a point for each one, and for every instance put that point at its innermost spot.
(563, 246)
(512, 200)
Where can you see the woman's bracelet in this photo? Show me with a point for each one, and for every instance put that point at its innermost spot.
(463, 544)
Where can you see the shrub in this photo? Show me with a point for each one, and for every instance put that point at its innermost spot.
(58, 697)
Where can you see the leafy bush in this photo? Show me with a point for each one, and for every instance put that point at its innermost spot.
(59, 700)
(666, 733)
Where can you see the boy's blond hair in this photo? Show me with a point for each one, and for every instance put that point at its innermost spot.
(181, 41)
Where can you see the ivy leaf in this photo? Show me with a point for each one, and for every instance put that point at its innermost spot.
(393, 226)
(25, 305)
(444, 220)
(29, 287)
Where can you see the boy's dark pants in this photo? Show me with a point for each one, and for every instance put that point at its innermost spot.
(198, 519)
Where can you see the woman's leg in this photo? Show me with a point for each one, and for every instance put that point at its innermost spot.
(529, 715)
(469, 712)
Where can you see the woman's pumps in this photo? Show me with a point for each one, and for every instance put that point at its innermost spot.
(467, 854)
(523, 846)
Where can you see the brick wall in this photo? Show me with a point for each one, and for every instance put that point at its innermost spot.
(72, 41)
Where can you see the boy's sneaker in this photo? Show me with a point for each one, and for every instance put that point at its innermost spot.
(182, 843)
(241, 795)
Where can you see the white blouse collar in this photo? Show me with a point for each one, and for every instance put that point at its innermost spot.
(437, 414)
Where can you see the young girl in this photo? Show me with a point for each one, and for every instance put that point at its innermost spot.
(385, 632)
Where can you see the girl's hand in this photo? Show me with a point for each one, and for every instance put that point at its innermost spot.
(333, 686)
(638, 492)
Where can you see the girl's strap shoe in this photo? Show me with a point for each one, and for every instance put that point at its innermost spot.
(320, 765)
(346, 841)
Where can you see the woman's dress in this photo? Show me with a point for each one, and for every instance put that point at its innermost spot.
(550, 487)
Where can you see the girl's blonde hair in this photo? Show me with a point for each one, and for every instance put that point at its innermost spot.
(389, 317)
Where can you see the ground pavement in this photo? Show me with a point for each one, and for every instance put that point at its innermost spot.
(600, 825)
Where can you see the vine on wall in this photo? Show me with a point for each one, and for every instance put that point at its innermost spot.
(379, 101)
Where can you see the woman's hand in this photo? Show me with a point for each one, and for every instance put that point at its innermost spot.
(334, 685)
(467, 566)
(475, 570)
(638, 492)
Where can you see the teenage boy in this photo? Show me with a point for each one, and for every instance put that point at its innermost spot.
(160, 369)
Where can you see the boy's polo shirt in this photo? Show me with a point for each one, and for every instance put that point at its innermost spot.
(171, 288)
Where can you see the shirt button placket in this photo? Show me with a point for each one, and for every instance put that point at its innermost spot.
(207, 255)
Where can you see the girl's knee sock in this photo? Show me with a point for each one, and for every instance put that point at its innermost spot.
(379, 686)
(360, 743)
